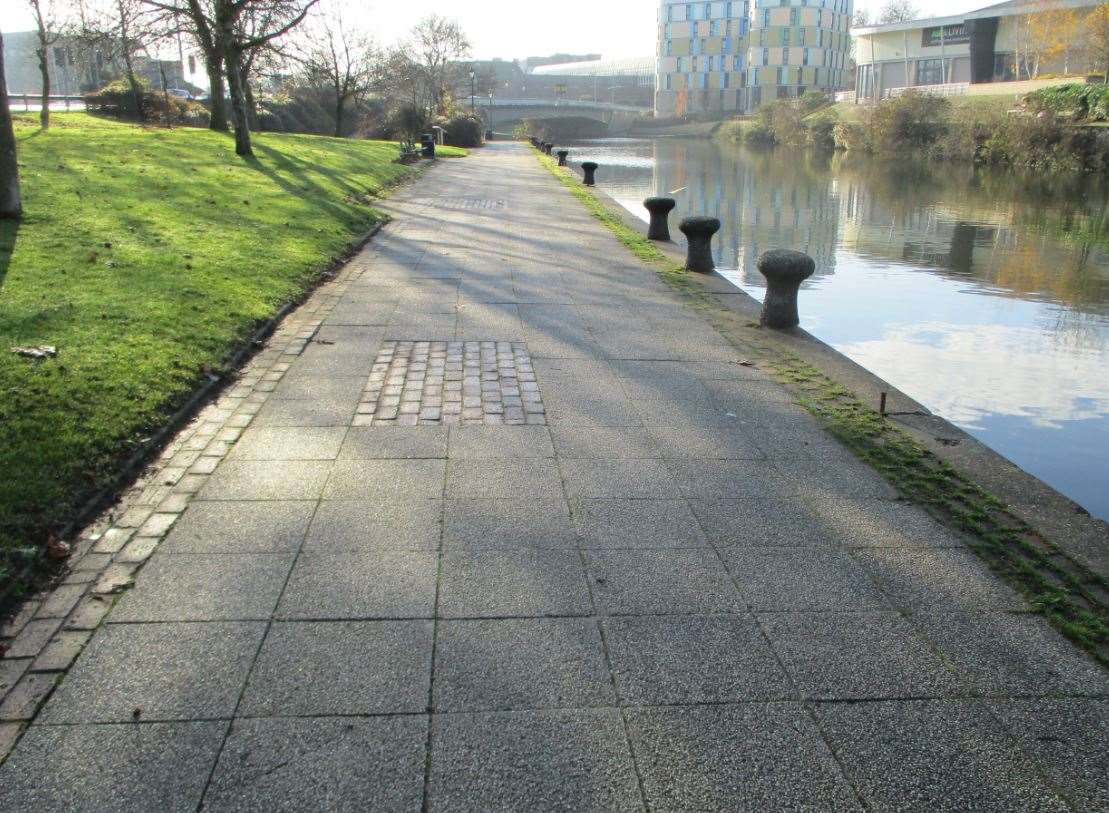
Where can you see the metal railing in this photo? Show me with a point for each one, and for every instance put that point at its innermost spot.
(950, 89)
(33, 101)
(845, 96)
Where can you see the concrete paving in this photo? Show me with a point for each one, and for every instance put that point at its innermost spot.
(516, 531)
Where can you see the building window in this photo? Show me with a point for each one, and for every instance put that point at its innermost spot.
(805, 57)
(743, 27)
(714, 28)
(737, 63)
(781, 76)
(724, 80)
(765, 56)
(766, 18)
(785, 56)
(727, 46)
(929, 72)
(708, 10)
(669, 47)
(694, 46)
(793, 16)
(704, 81)
(669, 82)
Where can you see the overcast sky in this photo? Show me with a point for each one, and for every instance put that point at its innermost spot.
(509, 29)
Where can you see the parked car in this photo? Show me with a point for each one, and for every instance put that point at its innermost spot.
(180, 93)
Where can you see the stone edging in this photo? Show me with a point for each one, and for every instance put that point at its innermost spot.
(48, 632)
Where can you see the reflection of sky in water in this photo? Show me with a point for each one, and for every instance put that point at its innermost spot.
(962, 291)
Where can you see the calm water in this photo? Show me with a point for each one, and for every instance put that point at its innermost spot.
(982, 295)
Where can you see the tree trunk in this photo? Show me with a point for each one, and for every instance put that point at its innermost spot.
(340, 110)
(218, 106)
(232, 61)
(44, 69)
(251, 105)
(10, 205)
(136, 88)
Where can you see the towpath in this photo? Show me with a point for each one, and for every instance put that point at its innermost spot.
(510, 528)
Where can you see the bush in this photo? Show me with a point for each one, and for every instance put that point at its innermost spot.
(117, 99)
(1078, 101)
(759, 134)
(463, 131)
(910, 122)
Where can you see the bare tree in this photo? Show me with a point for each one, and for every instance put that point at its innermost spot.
(47, 29)
(1096, 42)
(437, 44)
(340, 58)
(122, 30)
(10, 205)
(898, 11)
(861, 18)
(228, 32)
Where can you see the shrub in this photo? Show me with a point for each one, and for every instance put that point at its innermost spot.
(912, 121)
(1081, 102)
(759, 135)
(117, 99)
(463, 131)
(821, 132)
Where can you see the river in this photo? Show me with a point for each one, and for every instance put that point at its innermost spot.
(982, 294)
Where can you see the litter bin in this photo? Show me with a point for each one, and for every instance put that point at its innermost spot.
(427, 145)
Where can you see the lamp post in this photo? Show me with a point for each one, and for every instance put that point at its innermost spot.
(472, 76)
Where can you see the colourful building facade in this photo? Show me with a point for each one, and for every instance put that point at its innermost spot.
(732, 56)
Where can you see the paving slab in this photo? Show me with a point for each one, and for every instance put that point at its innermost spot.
(507, 523)
(770, 522)
(289, 443)
(661, 581)
(802, 579)
(157, 672)
(636, 524)
(321, 763)
(385, 479)
(360, 584)
(517, 583)
(670, 660)
(559, 760)
(267, 480)
(939, 579)
(616, 479)
(933, 755)
(206, 587)
(858, 656)
(503, 478)
(395, 523)
(754, 756)
(110, 768)
(341, 667)
(506, 664)
(240, 527)
(1002, 654)
(500, 442)
(374, 442)
(1066, 739)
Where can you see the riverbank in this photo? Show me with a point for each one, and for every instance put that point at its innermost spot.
(146, 257)
(1056, 129)
(1029, 534)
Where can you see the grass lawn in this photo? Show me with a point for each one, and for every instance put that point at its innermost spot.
(144, 256)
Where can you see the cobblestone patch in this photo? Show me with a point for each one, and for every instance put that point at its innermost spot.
(428, 383)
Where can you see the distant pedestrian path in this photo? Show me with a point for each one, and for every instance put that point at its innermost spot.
(495, 522)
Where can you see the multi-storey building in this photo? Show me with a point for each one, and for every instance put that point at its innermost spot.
(702, 57)
(797, 46)
(730, 56)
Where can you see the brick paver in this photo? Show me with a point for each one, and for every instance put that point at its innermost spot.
(494, 522)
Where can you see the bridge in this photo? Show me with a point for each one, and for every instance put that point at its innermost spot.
(500, 112)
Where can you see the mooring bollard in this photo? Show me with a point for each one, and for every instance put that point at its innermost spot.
(784, 271)
(660, 209)
(562, 157)
(590, 170)
(698, 233)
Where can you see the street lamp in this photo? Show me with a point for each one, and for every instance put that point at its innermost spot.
(472, 76)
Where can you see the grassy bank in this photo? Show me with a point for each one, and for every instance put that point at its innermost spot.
(145, 257)
(1065, 592)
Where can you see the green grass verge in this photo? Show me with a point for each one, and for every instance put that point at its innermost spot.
(146, 256)
(1066, 593)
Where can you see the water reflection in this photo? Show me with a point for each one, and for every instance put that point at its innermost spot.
(982, 294)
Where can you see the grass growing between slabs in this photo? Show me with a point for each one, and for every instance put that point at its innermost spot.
(146, 257)
(1066, 593)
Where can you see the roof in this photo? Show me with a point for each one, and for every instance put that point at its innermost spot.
(1009, 8)
(636, 66)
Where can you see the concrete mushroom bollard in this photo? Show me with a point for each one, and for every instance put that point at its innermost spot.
(590, 170)
(562, 157)
(660, 209)
(784, 271)
(698, 233)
